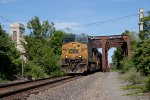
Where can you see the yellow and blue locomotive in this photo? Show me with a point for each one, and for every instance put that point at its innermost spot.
(78, 55)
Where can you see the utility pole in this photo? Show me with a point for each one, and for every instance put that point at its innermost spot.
(22, 66)
(68, 29)
(141, 15)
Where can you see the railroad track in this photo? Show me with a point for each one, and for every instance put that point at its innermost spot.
(22, 90)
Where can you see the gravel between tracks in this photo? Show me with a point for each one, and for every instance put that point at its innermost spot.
(98, 86)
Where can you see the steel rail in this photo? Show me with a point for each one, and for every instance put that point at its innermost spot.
(31, 85)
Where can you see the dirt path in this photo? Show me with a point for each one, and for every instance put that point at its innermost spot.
(109, 88)
(98, 86)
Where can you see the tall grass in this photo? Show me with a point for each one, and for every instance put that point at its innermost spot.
(133, 77)
(147, 89)
(136, 81)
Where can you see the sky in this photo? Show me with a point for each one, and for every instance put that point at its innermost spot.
(77, 15)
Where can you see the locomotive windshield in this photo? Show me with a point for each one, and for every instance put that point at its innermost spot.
(76, 38)
(82, 38)
(69, 38)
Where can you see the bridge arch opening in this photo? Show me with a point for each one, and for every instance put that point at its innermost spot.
(107, 42)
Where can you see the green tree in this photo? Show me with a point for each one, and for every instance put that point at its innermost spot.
(56, 41)
(40, 30)
(141, 57)
(9, 57)
(117, 57)
(118, 53)
(43, 49)
(40, 57)
(145, 34)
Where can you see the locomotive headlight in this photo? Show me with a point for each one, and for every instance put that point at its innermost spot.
(66, 56)
(74, 45)
(80, 56)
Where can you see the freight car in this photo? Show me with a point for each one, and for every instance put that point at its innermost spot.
(79, 56)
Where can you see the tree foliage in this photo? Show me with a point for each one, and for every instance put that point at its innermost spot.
(145, 34)
(40, 30)
(118, 56)
(140, 49)
(9, 57)
(56, 41)
(43, 47)
(141, 57)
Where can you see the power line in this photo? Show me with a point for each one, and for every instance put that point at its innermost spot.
(117, 30)
(102, 22)
(7, 20)
(10, 21)
(105, 21)
(89, 24)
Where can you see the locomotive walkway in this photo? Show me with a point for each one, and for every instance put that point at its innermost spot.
(98, 86)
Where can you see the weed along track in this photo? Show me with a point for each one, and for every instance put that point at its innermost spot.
(24, 89)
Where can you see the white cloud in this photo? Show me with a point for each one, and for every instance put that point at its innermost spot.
(66, 25)
(6, 1)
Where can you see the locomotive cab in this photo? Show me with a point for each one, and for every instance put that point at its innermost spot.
(74, 54)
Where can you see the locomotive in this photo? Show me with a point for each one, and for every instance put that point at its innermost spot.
(79, 56)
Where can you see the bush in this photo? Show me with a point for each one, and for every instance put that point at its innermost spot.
(148, 85)
(57, 73)
(35, 71)
(3, 76)
(126, 64)
(141, 57)
(133, 77)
